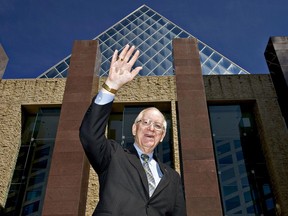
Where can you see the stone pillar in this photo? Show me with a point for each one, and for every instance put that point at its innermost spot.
(67, 186)
(198, 160)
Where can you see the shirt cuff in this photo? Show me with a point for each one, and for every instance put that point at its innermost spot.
(103, 98)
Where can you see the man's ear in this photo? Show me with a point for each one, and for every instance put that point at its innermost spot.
(134, 129)
(163, 135)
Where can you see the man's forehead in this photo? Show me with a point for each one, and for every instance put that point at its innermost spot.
(153, 113)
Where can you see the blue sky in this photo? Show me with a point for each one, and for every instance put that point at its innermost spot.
(36, 34)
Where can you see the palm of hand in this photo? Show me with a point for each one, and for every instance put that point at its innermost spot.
(120, 70)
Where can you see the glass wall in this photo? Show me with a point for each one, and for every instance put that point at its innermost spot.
(30, 177)
(120, 129)
(242, 173)
(152, 34)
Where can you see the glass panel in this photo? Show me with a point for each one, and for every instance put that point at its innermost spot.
(247, 196)
(103, 37)
(232, 203)
(52, 73)
(229, 189)
(118, 27)
(270, 204)
(39, 165)
(30, 208)
(68, 60)
(266, 189)
(183, 35)
(207, 51)
(46, 126)
(61, 66)
(239, 156)
(176, 30)
(145, 9)
(64, 73)
(222, 149)
(33, 194)
(215, 57)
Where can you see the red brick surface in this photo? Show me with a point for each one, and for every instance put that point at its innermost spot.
(68, 178)
(199, 170)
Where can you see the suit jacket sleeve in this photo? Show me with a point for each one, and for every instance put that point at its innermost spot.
(92, 135)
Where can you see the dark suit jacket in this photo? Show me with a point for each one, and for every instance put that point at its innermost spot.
(123, 182)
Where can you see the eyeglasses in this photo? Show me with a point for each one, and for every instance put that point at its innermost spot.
(147, 122)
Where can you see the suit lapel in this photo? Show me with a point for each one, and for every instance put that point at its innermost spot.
(164, 180)
(135, 161)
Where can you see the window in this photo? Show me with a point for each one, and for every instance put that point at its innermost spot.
(30, 177)
(242, 173)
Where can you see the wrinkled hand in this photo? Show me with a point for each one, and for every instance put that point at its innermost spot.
(120, 69)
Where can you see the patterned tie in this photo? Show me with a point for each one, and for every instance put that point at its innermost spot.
(151, 180)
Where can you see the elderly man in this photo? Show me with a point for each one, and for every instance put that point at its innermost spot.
(133, 182)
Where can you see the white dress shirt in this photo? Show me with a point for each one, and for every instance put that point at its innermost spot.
(154, 166)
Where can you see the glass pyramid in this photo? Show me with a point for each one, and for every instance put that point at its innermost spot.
(152, 34)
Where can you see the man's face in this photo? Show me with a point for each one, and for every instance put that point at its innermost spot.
(149, 131)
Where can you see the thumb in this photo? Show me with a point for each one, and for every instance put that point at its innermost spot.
(136, 71)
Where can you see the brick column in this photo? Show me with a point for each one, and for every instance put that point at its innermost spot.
(66, 191)
(198, 160)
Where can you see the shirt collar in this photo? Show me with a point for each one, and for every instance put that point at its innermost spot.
(140, 152)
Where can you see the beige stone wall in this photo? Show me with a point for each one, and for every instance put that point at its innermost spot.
(14, 94)
(239, 87)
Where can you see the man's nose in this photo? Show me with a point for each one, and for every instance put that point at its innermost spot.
(151, 127)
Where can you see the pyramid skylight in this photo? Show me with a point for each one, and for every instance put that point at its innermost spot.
(152, 34)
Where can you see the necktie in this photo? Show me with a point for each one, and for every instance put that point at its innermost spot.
(151, 180)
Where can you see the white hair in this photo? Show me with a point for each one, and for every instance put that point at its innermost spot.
(140, 115)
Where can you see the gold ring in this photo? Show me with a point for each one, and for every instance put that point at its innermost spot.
(121, 59)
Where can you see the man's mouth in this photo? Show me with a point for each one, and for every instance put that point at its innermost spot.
(149, 135)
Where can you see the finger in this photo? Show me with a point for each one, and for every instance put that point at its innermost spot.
(129, 53)
(136, 71)
(123, 53)
(114, 57)
(134, 58)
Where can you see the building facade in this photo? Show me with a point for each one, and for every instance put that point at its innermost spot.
(227, 133)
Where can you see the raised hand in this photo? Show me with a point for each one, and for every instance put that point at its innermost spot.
(121, 71)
